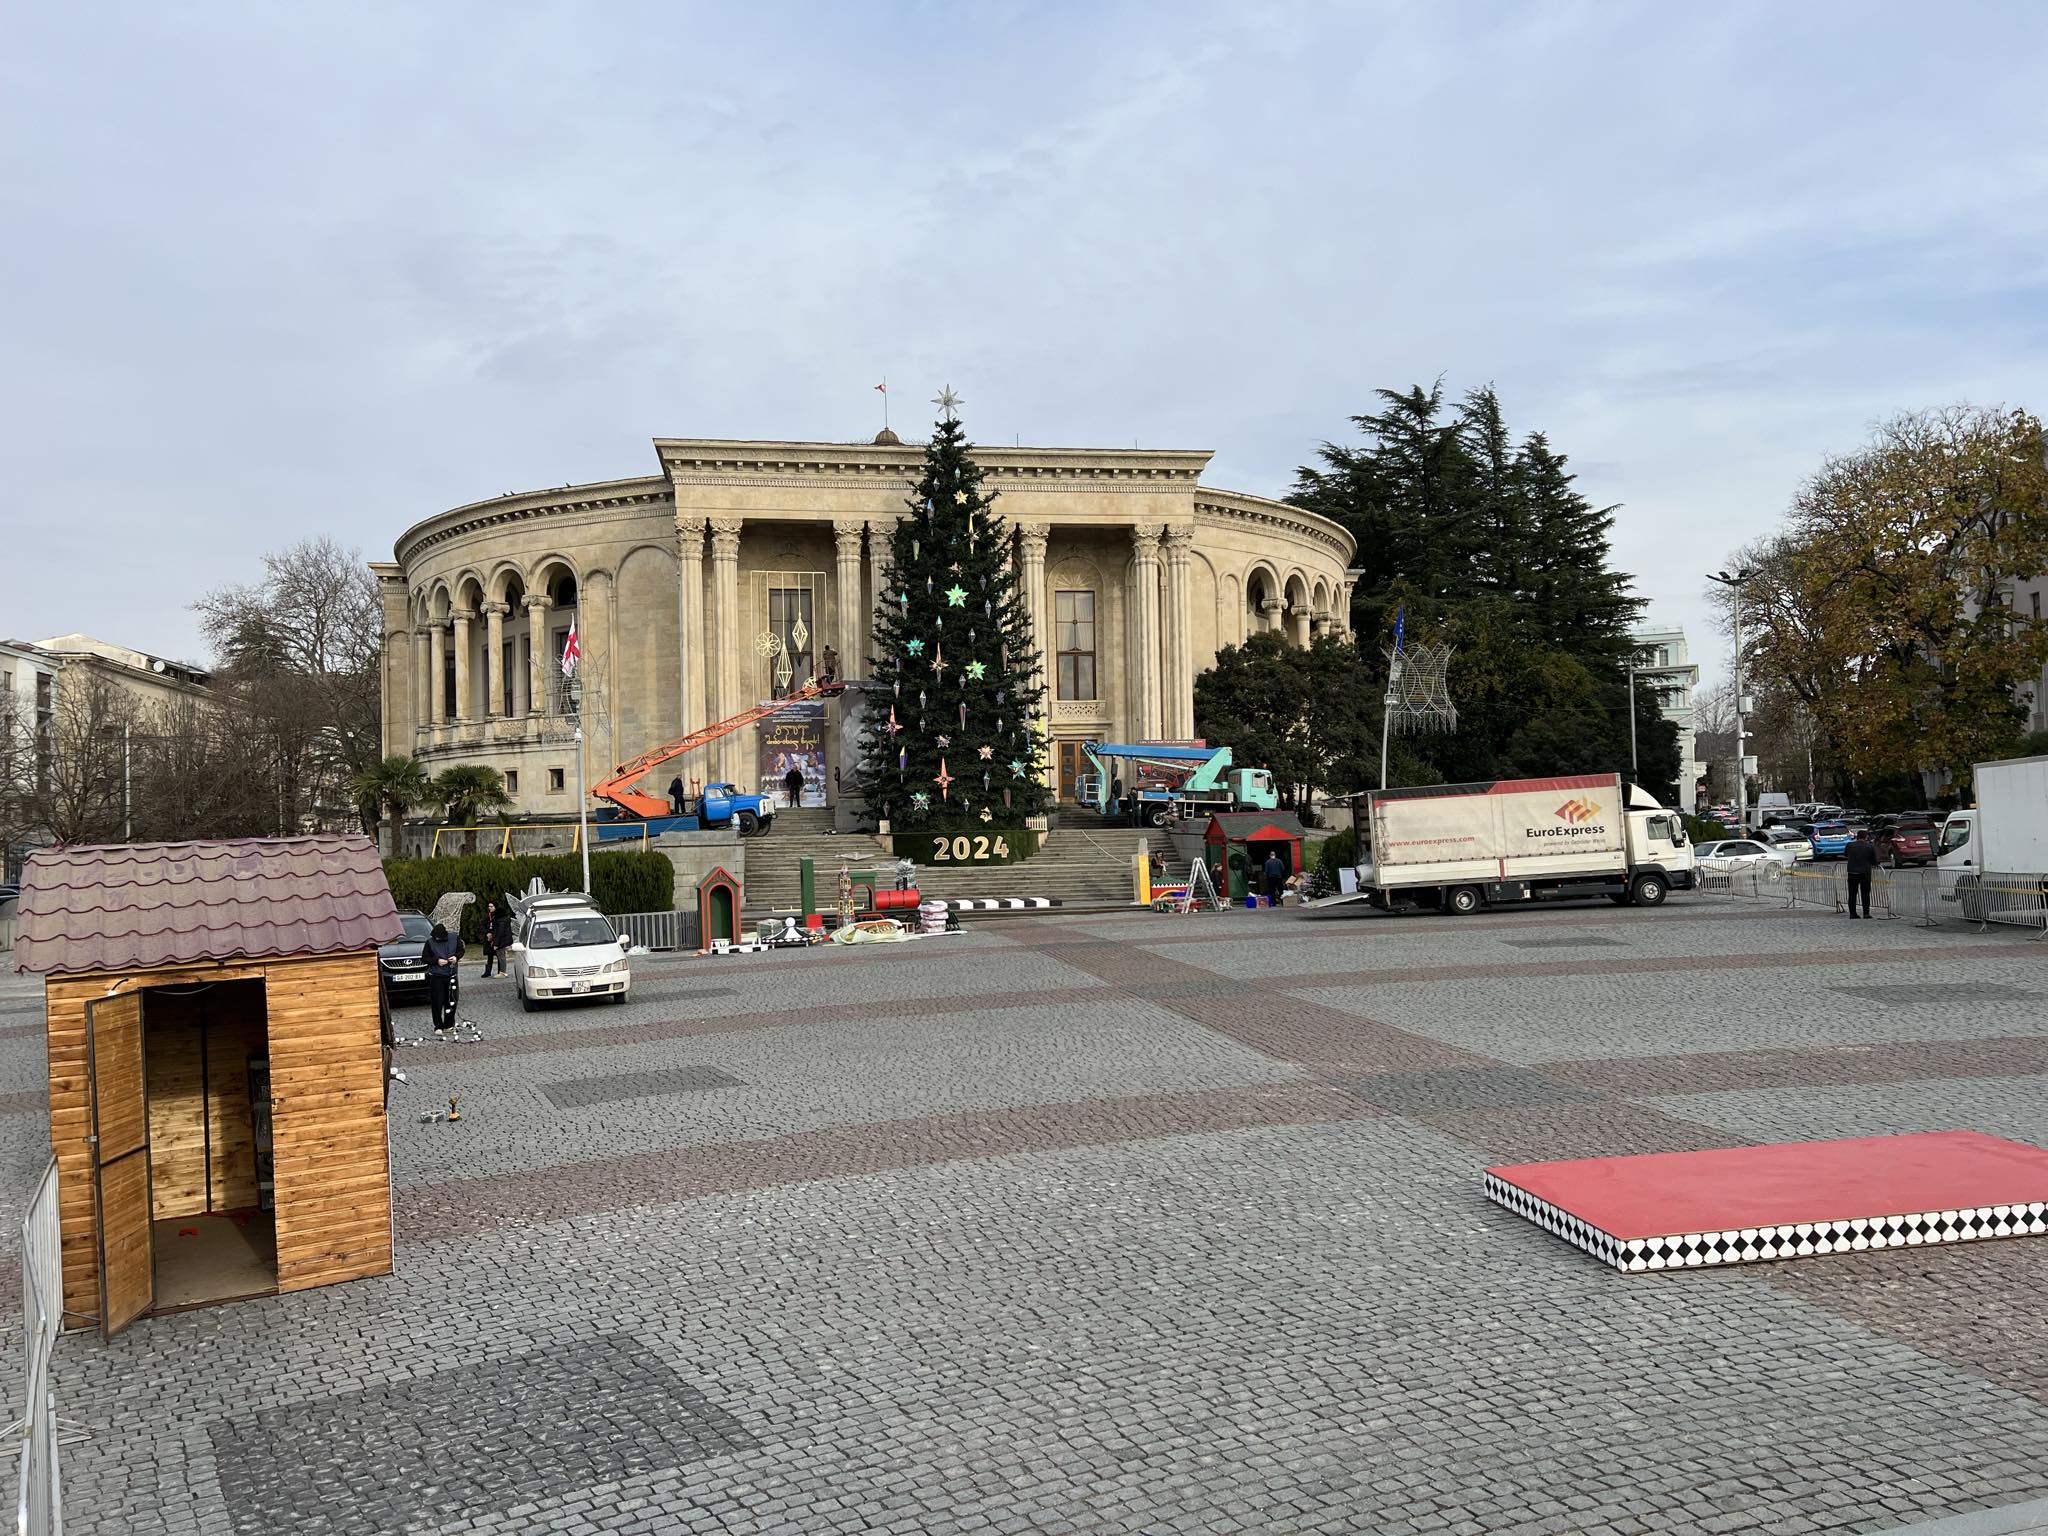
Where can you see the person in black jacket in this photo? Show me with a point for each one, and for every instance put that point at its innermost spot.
(497, 936)
(442, 954)
(1861, 859)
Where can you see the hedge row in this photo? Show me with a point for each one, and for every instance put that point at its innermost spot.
(620, 882)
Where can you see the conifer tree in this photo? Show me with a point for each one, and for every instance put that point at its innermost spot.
(954, 739)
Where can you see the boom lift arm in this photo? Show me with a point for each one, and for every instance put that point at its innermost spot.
(617, 789)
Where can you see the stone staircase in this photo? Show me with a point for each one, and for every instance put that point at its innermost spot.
(1077, 865)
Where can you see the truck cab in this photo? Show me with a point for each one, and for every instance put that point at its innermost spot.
(1955, 856)
(1658, 847)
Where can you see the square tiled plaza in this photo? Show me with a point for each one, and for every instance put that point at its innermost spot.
(1122, 1224)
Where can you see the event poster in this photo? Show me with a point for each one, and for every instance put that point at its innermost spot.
(795, 738)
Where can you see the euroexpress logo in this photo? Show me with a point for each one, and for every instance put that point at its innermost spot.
(1574, 813)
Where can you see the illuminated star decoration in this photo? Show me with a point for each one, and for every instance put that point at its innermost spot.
(921, 800)
(956, 595)
(939, 662)
(961, 497)
(954, 567)
(943, 779)
(944, 741)
(948, 403)
(1017, 766)
(987, 814)
(895, 725)
(976, 670)
(987, 752)
(915, 647)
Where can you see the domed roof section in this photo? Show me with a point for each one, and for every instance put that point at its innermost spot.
(887, 439)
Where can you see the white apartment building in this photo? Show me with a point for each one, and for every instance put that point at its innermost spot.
(1670, 672)
(28, 709)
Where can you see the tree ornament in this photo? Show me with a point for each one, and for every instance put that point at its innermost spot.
(986, 751)
(894, 724)
(976, 669)
(902, 758)
(1006, 799)
(963, 717)
(944, 780)
(921, 800)
(927, 586)
(956, 595)
(955, 569)
(939, 662)
(914, 547)
(1017, 766)
(961, 497)
(943, 741)
(920, 698)
(767, 643)
(987, 814)
(915, 646)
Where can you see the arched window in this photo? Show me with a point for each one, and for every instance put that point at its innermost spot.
(1074, 635)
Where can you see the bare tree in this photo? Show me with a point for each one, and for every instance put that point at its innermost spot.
(72, 792)
(298, 656)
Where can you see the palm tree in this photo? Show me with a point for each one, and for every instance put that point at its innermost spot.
(394, 786)
(466, 792)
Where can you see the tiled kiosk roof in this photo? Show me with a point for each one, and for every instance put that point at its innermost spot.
(137, 906)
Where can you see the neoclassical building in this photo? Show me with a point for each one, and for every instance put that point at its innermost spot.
(743, 569)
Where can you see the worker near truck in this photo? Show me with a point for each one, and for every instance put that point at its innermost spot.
(676, 794)
(793, 785)
(1276, 877)
(1860, 857)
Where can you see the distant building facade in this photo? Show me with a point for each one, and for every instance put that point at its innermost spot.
(743, 570)
(1669, 671)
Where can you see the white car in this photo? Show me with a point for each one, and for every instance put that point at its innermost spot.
(1785, 840)
(1739, 854)
(564, 947)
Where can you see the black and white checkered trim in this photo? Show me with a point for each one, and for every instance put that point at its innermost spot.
(996, 903)
(1755, 1245)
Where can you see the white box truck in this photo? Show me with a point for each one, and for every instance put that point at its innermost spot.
(2004, 836)
(1460, 847)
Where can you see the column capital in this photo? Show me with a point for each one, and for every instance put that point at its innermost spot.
(539, 602)
(1180, 541)
(1034, 536)
(462, 616)
(690, 522)
(847, 531)
(424, 628)
(725, 537)
(1145, 538)
(495, 610)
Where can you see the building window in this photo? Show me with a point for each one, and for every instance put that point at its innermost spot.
(2035, 599)
(1074, 622)
(511, 781)
(555, 780)
(793, 618)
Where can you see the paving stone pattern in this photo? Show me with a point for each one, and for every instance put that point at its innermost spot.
(1127, 1224)
(376, 1460)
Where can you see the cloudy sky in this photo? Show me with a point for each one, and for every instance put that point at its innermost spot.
(283, 270)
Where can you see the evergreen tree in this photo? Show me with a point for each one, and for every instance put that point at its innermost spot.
(955, 742)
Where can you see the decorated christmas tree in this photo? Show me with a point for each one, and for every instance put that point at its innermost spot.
(953, 738)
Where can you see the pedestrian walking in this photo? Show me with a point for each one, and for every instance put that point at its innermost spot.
(442, 955)
(1276, 876)
(793, 785)
(1861, 858)
(497, 936)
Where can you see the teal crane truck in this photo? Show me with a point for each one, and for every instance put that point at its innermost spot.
(1156, 783)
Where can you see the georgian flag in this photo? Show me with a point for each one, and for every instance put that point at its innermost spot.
(571, 652)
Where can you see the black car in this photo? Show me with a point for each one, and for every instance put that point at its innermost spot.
(405, 974)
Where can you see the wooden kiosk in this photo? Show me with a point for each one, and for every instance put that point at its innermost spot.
(217, 1067)
(1238, 842)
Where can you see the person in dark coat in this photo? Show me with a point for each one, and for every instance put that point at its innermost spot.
(676, 794)
(1861, 859)
(1276, 877)
(441, 954)
(793, 786)
(497, 936)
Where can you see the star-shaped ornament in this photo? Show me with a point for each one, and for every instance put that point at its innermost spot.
(939, 663)
(987, 814)
(944, 741)
(915, 647)
(987, 752)
(956, 595)
(954, 567)
(943, 779)
(961, 497)
(976, 670)
(1017, 766)
(921, 800)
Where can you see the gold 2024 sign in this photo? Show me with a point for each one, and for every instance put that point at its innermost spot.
(969, 850)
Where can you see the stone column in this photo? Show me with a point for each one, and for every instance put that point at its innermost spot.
(424, 652)
(1177, 714)
(846, 597)
(437, 692)
(690, 621)
(537, 606)
(733, 642)
(494, 659)
(1031, 539)
(465, 708)
(1145, 629)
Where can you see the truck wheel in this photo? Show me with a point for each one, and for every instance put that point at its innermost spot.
(749, 823)
(1159, 817)
(1648, 891)
(1464, 901)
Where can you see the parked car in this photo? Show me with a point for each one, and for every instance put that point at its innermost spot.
(1831, 839)
(1906, 840)
(1738, 855)
(562, 946)
(405, 974)
(1790, 838)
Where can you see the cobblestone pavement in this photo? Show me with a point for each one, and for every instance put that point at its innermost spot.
(1122, 1224)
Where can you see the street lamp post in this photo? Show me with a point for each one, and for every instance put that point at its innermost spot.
(1734, 586)
(1635, 774)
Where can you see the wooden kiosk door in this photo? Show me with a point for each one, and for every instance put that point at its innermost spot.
(120, 1140)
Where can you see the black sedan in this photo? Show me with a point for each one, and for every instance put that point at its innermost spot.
(405, 974)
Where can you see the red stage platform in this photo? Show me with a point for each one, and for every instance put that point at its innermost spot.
(1743, 1205)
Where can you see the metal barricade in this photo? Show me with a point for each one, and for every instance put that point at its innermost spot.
(658, 930)
(2005, 897)
(39, 1503)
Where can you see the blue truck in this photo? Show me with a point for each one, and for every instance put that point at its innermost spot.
(719, 805)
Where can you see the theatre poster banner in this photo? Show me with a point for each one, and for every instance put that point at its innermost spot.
(794, 738)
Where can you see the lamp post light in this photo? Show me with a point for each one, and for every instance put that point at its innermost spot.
(1635, 774)
(1734, 586)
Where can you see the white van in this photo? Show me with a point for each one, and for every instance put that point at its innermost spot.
(562, 946)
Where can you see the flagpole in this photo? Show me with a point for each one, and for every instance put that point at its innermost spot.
(1393, 698)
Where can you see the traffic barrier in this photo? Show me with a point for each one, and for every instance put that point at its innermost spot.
(1993, 898)
(39, 1495)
